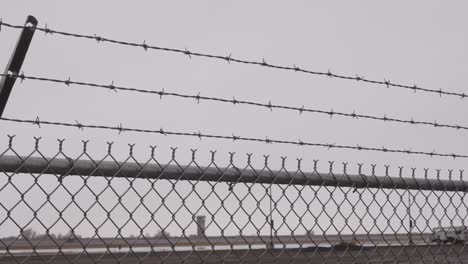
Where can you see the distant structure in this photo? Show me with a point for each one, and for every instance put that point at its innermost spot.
(201, 225)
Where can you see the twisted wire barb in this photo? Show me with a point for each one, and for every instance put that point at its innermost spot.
(230, 59)
(200, 135)
(235, 101)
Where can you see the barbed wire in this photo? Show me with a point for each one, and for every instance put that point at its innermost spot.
(120, 128)
(230, 59)
(235, 101)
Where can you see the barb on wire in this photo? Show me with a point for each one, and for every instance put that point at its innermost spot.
(267, 140)
(262, 63)
(235, 101)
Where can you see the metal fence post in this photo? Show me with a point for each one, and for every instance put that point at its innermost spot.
(13, 68)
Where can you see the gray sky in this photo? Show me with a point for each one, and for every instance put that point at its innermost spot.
(407, 42)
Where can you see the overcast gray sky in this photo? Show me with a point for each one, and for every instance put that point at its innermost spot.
(407, 42)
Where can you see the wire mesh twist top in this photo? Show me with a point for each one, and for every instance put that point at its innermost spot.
(120, 128)
(83, 209)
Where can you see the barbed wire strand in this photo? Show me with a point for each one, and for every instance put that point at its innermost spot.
(235, 101)
(230, 59)
(234, 138)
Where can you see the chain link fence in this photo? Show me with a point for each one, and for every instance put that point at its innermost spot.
(85, 209)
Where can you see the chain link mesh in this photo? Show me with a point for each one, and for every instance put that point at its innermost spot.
(84, 209)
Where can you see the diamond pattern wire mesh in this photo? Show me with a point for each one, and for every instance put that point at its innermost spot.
(59, 209)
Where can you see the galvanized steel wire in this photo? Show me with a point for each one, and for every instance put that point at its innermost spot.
(325, 219)
(229, 59)
(120, 128)
(234, 101)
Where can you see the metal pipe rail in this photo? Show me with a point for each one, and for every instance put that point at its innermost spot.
(65, 167)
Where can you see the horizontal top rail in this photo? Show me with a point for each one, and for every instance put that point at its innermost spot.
(65, 167)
